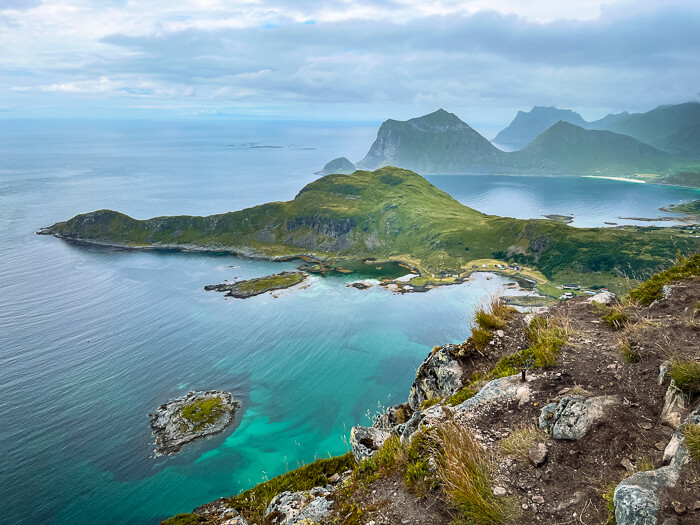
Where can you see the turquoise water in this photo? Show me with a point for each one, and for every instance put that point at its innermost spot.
(91, 340)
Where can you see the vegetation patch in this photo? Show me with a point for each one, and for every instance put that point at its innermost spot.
(460, 396)
(686, 374)
(181, 519)
(650, 291)
(253, 502)
(203, 412)
(692, 440)
(626, 351)
(517, 445)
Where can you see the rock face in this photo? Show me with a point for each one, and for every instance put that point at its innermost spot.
(606, 298)
(674, 407)
(573, 416)
(365, 441)
(636, 498)
(290, 508)
(438, 376)
(194, 416)
(436, 143)
(341, 165)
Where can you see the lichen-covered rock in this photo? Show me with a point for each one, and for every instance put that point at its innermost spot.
(290, 508)
(220, 510)
(636, 498)
(438, 376)
(365, 441)
(393, 416)
(498, 391)
(573, 416)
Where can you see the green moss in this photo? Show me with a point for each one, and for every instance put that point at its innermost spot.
(203, 412)
(427, 403)
(692, 440)
(686, 374)
(609, 498)
(650, 291)
(460, 396)
(270, 282)
(181, 519)
(253, 502)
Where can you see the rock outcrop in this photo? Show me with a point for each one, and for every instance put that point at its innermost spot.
(574, 416)
(291, 508)
(438, 376)
(194, 416)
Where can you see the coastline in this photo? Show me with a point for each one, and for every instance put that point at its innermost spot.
(620, 179)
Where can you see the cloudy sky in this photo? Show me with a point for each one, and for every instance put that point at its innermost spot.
(345, 60)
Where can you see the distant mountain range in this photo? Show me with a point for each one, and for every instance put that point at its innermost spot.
(662, 142)
(672, 128)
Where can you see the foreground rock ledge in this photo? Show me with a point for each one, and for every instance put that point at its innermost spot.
(194, 416)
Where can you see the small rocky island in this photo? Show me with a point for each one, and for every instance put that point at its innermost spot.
(194, 416)
(257, 286)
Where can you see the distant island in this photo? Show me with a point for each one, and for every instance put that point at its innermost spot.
(662, 146)
(396, 215)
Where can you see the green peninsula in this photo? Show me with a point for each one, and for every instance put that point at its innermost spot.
(391, 214)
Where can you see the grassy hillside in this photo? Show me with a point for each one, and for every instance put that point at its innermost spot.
(388, 214)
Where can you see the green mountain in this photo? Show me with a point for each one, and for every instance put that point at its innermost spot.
(436, 143)
(568, 149)
(340, 165)
(388, 214)
(672, 128)
(526, 126)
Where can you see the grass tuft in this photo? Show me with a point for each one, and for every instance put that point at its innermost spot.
(616, 317)
(692, 440)
(181, 519)
(518, 444)
(629, 355)
(460, 396)
(465, 472)
(686, 374)
(650, 290)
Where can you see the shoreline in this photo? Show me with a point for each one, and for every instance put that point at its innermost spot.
(620, 179)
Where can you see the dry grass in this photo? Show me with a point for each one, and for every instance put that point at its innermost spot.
(692, 440)
(489, 316)
(578, 390)
(465, 472)
(625, 349)
(518, 444)
(686, 374)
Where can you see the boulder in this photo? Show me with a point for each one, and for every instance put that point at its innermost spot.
(498, 391)
(538, 454)
(573, 416)
(438, 376)
(606, 298)
(636, 498)
(365, 441)
(290, 508)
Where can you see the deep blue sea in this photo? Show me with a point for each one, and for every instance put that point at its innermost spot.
(92, 340)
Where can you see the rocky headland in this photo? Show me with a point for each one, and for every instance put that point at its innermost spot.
(194, 416)
(584, 412)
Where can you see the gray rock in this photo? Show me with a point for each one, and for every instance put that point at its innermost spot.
(666, 291)
(606, 298)
(439, 375)
(290, 508)
(538, 454)
(663, 370)
(538, 499)
(365, 441)
(636, 498)
(674, 407)
(498, 391)
(573, 416)
(499, 491)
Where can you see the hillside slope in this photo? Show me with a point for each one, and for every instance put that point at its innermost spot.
(386, 214)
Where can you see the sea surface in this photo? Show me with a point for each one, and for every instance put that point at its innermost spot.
(92, 340)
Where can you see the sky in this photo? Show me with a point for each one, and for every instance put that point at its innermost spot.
(345, 60)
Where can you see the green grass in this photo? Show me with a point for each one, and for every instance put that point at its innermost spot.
(686, 374)
(692, 440)
(460, 396)
(270, 282)
(253, 502)
(181, 519)
(626, 351)
(405, 219)
(481, 337)
(203, 411)
(650, 291)
(517, 445)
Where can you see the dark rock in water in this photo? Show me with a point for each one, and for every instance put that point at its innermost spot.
(191, 417)
(359, 285)
(341, 165)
